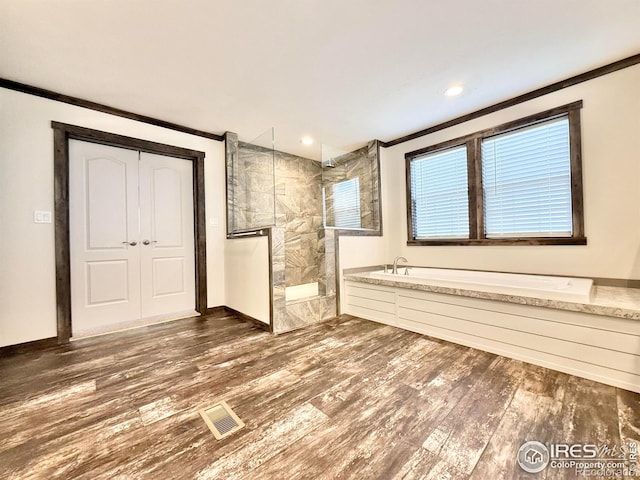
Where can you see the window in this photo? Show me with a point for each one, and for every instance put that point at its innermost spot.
(519, 183)
(526, 182)
(346, 203)
(439, 194)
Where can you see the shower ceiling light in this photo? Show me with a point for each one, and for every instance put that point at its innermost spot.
(306, 140)
(454, 90)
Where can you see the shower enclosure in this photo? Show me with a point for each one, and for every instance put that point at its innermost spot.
(301, 205)
(280, 193)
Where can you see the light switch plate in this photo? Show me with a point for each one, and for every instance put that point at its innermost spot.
(40, 216)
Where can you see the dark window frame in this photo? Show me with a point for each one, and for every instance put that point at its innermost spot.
(474, 171)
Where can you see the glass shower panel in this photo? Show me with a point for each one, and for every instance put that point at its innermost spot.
(350, 188)
(253, 184)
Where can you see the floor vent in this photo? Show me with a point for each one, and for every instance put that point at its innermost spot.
(221, 420)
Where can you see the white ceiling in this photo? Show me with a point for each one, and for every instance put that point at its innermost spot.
(342, 71)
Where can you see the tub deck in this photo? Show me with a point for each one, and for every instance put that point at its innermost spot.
(556, 288)
(611, 301)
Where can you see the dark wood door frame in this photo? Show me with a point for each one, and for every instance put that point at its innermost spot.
(62, 133)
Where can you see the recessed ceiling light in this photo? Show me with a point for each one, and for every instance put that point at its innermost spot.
(306, 140)
(453, 90)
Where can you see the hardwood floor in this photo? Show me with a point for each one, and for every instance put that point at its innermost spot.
(345, 399)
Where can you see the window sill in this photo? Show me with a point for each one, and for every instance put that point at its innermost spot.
(501, 241)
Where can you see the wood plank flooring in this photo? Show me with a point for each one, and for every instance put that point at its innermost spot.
(346, 399)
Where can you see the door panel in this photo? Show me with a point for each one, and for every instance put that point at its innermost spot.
(166, 214)
(107, 282)
(106, 203)
(103, 216)
(167, 207)
(168, 276)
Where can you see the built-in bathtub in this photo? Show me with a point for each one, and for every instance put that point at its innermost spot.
(554, 288)
(556, 322)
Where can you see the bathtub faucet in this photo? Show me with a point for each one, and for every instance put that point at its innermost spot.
(395, 263)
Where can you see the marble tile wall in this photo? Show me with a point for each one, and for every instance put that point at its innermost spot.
(250, 186)
(362, 164)
(292, 315)
(231, 152)
(307, 248)
(299, 212)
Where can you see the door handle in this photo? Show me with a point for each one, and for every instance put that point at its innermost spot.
(147, 242)
(133, 244)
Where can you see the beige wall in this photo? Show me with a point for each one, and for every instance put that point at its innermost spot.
(247, 276)
(611, 163)
(27, 263)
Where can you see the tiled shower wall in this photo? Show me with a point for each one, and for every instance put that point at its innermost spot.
(297, 209)
(299, 212)
(299, 238)
(251, 182)
(291, 315)
(361, 164)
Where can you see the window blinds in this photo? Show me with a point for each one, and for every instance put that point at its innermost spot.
(526, 178)
(439, 194)
(346, 203)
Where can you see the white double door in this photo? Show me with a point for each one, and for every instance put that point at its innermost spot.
(131, 237)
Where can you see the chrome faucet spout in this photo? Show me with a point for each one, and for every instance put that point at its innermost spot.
(395, 263)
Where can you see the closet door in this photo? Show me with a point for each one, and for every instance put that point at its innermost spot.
(105, 253)
(167, 251)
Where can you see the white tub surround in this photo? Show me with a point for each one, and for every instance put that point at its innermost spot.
(611, 301)
(553, 288)
(597, 339)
